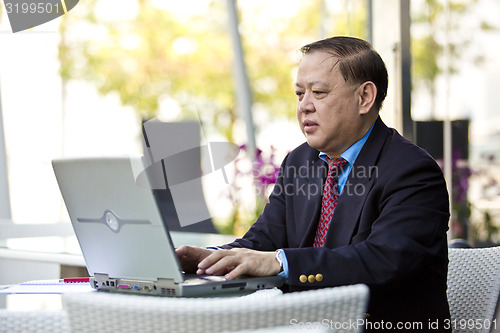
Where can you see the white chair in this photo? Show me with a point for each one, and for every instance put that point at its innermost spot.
(473, 288)
(40, 321)
(104, 312)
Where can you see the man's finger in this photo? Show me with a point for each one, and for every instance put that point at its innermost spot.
(238, 271)
(214, 257)
(221, 266)
(183, 251)
(190, 256)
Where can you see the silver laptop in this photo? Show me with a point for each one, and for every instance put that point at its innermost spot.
(126, 244)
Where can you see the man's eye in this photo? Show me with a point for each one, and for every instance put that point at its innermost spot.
(299, 93)
(318, 92)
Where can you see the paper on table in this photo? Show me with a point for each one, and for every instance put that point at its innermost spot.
(47, 287)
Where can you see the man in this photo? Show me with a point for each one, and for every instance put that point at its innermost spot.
(386, 229)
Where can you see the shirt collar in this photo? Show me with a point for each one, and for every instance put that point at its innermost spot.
(351, 153)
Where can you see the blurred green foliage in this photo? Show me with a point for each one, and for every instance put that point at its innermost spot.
(147, 57)
(155, 54)
(441, 38)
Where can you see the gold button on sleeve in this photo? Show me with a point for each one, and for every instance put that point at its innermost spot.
(311, 278)
(303, 278)
(319, 277)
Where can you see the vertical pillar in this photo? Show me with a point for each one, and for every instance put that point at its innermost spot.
(447, 134)
(5, 212)
(407, 122)
(391, 38)
(369, 21)
(243, 93)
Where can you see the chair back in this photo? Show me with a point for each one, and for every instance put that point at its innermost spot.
(473, 288)
(39, 321)
(105, 312)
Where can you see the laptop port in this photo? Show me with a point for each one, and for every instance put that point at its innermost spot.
(240, 285)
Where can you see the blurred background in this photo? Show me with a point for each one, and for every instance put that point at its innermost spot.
(82, 85)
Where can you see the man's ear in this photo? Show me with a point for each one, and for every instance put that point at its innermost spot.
(367, 92)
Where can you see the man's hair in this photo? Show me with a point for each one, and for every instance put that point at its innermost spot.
(357, 60)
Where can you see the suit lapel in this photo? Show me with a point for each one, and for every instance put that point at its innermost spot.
(315, 179)
(358, 185)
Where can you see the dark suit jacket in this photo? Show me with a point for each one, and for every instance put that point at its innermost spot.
(388, 230)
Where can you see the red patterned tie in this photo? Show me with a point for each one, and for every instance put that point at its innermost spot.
(330, 198)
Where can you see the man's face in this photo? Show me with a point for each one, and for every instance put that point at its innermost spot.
(327, 107)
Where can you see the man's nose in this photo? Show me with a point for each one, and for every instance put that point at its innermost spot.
(306, 104)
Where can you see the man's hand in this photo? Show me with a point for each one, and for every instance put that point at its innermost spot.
(190, 257)
(236, 262)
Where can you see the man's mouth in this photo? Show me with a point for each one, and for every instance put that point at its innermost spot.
(309, 126)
